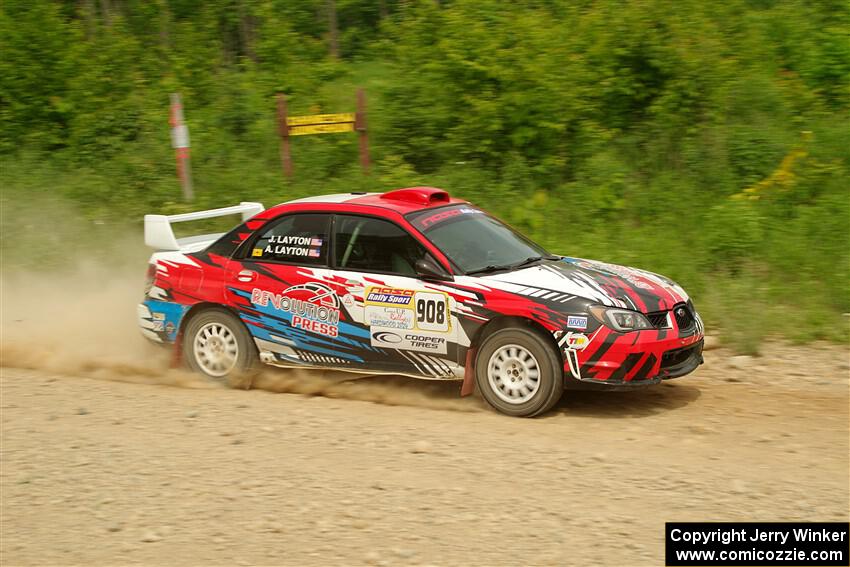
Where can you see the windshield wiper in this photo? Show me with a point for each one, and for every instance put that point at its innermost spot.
(488, 269)
(496, 268)
(527, 261)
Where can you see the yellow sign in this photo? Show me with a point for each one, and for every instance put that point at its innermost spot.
(321, 119)
(321, 128)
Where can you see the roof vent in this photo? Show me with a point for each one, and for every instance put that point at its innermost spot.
(418, 195)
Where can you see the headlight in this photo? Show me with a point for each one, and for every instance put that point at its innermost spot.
(620, 319)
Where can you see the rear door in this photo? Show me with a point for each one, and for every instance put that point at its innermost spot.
(278, 283)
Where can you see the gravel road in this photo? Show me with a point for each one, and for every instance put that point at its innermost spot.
(110, 465)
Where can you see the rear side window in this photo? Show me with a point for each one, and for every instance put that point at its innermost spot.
(368, 244)
(229, 242)
(295, 239)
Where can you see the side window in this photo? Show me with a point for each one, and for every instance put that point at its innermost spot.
(227, 244)
(298, 238)
(375, 245)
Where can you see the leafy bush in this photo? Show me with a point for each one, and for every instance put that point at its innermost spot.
(705, 141)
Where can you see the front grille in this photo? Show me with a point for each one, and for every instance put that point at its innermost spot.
(676, 357)
(657, 319)
(680, 361)
(684, 316)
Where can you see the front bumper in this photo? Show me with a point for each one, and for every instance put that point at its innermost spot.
(609, 358)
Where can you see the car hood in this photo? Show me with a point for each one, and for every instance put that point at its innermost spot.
(599, 282)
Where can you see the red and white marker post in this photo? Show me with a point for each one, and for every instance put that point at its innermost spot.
(180, 143)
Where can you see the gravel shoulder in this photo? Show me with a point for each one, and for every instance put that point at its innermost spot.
(114, 468)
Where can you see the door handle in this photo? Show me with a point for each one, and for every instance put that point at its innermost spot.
(246, 276)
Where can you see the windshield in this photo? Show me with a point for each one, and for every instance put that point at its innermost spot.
(474, 241)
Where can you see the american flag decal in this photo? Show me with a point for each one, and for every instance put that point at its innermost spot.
(316, 242)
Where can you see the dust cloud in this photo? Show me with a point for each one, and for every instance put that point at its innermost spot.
(80, 320)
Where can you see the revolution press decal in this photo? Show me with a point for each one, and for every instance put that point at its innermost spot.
(314, 307)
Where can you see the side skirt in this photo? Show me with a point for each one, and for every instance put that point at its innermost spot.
(271, 360)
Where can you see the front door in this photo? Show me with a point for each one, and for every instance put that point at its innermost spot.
(409, 321)
(349, 300)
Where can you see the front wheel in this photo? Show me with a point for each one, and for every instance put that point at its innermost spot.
(217, 345)
(519, 373)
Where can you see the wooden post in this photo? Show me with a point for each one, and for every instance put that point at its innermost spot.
(333, 29)
(283, 130)
(180, 143)
(360, 126)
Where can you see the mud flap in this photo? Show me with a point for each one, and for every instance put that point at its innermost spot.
(468, 386)
(177, 353)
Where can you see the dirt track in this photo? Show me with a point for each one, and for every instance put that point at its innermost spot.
(103, 472)
(110, 458)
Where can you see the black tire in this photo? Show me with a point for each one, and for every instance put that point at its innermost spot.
(529, 400)
(245, 357)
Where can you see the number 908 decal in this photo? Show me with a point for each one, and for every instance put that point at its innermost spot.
(432, 311)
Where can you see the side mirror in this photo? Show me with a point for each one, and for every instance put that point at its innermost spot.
(427, 269)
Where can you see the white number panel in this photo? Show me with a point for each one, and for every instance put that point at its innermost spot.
(432, 311)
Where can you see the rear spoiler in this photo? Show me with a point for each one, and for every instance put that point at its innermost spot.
(159, 234)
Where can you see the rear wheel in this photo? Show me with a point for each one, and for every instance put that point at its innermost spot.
(217, 345)
(519, 373)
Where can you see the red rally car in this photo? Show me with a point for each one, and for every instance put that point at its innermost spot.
(411, 282)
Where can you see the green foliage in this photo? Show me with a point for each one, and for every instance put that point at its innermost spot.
(735, 232)
(705, 141)
(33, 71)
